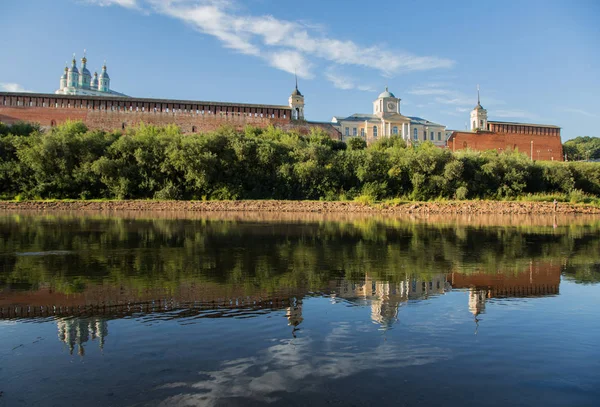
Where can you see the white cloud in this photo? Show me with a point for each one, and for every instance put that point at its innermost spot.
(345, 82)
(580, 111)
(515, 114)
(12, 87)
(123, 3)
(283, 44)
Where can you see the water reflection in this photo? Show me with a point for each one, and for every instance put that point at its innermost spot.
(75, 332)
(78, 322)
(206, 311)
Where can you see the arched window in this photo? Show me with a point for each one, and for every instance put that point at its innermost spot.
(395, 130)
(374, 131)
(122, 126)
(416, 134)
(193, 129)
(52, 123)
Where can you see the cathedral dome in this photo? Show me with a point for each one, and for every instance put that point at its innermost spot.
(386, 94)
(64, 75)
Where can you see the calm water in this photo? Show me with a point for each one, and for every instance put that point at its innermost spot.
(144, 310)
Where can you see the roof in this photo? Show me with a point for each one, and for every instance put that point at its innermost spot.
(386, 94)
(525, 124)
(419, 120)
(361, 117)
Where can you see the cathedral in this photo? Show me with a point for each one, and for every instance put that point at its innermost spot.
(73, 82)
(386, 120)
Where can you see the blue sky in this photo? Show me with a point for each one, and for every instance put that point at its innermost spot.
(536, 60)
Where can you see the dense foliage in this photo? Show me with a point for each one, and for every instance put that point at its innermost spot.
(148, 162)
(583, 148)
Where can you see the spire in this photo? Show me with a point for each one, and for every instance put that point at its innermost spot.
(84, 59)
(478, 102)
(74, 61)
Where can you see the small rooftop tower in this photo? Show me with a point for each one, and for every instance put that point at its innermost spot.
(104, 80)
(63, 78)
(479, 116)
(86, 77)
(73, 74)
(296, 102)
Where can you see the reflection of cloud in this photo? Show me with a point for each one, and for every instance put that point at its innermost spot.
(289, 365)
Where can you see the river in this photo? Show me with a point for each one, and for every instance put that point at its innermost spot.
(243, 309)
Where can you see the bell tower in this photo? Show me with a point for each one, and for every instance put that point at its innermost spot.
(296, 102)
(479, 121)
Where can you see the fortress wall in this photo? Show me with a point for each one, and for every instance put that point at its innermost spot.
(545, 147)
(104, 113)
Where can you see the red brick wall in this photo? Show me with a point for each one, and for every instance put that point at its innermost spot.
(112, 113)
(115, 120)
(545, 147)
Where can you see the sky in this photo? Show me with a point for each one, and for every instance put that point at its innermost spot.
(536, 61)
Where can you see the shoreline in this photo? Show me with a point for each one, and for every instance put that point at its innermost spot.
(280, 206)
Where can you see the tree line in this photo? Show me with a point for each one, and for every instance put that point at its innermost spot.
(582, 148)
(147, 162)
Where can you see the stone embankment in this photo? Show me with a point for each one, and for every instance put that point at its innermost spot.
(453, 207)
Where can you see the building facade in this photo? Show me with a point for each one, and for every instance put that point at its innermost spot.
(386, 120)
(538, 141)
(74, 82)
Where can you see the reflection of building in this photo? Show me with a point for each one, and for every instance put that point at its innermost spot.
(477, 301)
(539, 280)
(77, 331)
(386, 297)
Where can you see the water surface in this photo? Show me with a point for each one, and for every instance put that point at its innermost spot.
(248, 309)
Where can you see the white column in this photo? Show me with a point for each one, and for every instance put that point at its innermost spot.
(409, 133)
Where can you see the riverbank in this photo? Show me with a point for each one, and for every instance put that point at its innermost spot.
(449, 207)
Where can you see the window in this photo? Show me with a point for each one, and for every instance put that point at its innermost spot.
(193, 129)
(374, 131)
(346, 131)
(416, 135)
(439, 136)
(481, 124)
(395, 130)
(362, 133)
(425, 135)
(354, 132)
(123, 126)
(431, 136)
(52, 123)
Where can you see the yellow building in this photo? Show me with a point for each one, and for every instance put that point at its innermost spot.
(387, 121)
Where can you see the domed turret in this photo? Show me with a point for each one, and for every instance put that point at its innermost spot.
(63, 78)
(104, 80)
(94, 83)
(86, 77)
(386, 94)
(73, 74)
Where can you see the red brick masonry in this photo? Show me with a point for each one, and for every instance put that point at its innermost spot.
(543, 146)
(117, 113)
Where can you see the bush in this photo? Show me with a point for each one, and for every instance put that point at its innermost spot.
(149, 162)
